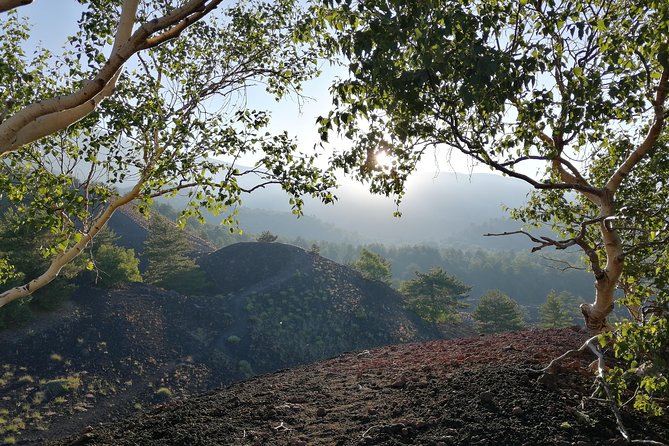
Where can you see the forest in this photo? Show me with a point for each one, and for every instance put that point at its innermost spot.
(133, 103)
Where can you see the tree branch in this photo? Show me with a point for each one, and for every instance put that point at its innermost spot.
(59, 112)
(8, 5)
(651, 137)
(69, 254)
(545, 242)
(50, 115)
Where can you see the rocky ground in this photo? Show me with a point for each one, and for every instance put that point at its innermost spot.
(472, 391)
(109, 353)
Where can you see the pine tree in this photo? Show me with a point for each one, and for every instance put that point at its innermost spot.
(435, 296)
(373, 266)
(166, 250)
(266, 237)
(554, 313)
(497, 312)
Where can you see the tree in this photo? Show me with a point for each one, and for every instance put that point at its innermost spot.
(577, 88)
(166, 250)
(510, 83)
(23, 243)
(267, 237)
(77, 128)
(117, 265)
(554, 312)
(497, 312)
(435, 296)
(373, 266)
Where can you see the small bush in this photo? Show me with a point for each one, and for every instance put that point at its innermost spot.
(26, 379)
(245, 367)
(9, 440)
(164, 392)
(61, 386)
(234, 339)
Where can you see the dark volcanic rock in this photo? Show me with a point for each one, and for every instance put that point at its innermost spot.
(272, 306)
(282, 408)
(289, 306)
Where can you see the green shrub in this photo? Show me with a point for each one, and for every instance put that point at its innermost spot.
(245, 368)
(61, 386)
(164, 392)
(116, 265)
(234, 339)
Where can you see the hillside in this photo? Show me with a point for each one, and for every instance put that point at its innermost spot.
(469, 392)
(132, 230)
(109, 353)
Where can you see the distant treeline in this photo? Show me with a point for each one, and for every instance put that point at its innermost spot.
(526, 277)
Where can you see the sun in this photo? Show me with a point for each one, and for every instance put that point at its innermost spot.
(383, 161)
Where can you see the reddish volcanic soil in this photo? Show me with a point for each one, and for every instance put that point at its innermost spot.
(475, 391)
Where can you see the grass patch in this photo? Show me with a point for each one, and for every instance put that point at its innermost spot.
(164, 392)
(61, 386)
(26, 379)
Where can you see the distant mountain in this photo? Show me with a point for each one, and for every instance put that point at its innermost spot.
(445, 209)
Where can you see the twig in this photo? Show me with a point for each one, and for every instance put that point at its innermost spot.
(610, 401)
(602, 383)
(364, 434)
(281, 426)
(564, 356)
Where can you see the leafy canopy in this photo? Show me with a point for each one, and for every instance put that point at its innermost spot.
(569, 97)
(174, 120)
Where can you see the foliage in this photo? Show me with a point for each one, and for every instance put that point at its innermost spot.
(218, 235)
(267, 237)
(554, 313)
(21, 242)
(166, 249)
(373, 266)
(497, 312)
(516, 273)
(116, 265)
(578, 86)
(164, 393)
(157, 128)
(435, 296)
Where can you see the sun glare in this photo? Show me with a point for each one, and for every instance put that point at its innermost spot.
(383, 161)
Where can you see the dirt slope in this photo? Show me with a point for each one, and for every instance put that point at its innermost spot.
(474, 391)
(109, 352)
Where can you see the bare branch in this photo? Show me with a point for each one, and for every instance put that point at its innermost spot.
(545, 242)
(567, 266)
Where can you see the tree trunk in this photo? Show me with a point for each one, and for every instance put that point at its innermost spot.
(606, 280)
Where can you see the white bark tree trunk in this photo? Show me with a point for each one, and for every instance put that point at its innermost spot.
(71, 253)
